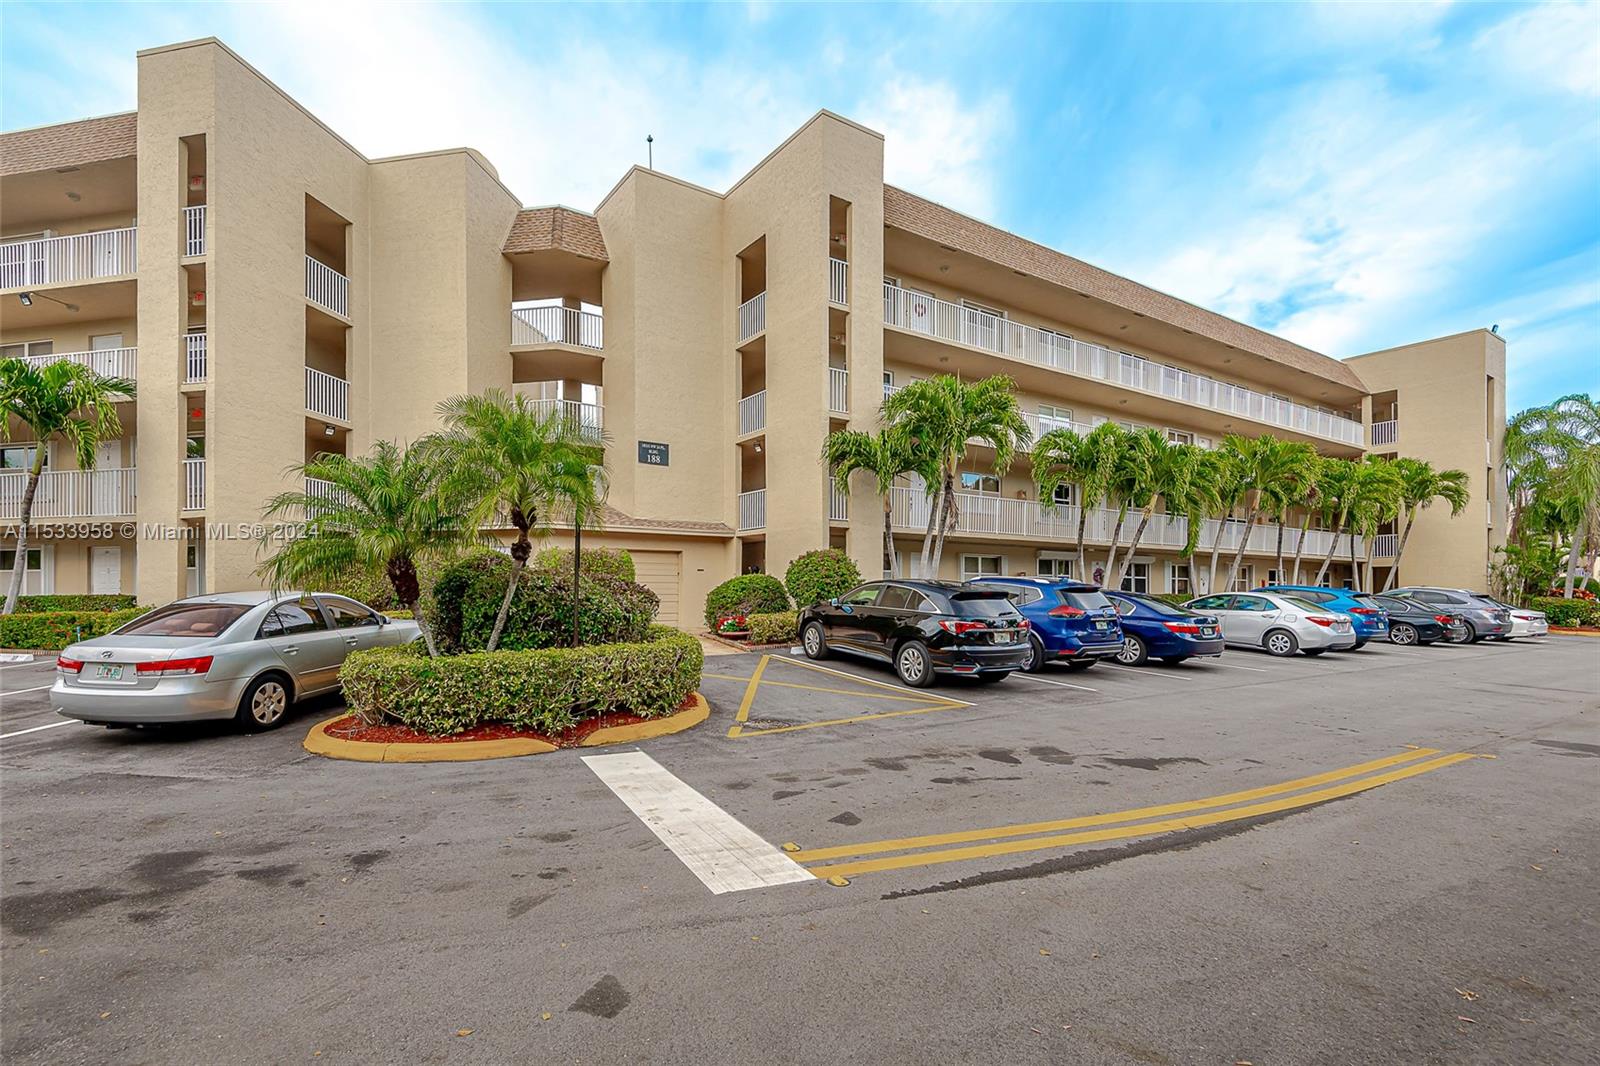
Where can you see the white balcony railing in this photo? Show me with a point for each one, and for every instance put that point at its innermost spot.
(557, 325)
(327, 395)
(753, 510)
(918, 313)
(194, 358)
(1384, 545)
(107, 362)
(838, 391)
(194, 484)
(318, 489)
(327, 288)
(588, 419)
(753, 412)
(838, 504)
(106, 253)
(839, 282)
(194, 230)
(1385, 433)
(103, 493)
(752, 316)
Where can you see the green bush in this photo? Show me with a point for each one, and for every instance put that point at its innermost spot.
(548, 690)
(612, 562)
(86, 602)
(467, 597)
(820, 575)
(781, 627)
(1563, 612)
(745, 594)
(54, 630)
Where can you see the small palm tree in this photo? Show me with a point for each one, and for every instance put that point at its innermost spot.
(389, 511)
(1420, 485)
(1087, 463)
(1132, 483)
(884, 456)
(578, 484)
(60, 399)
(1263, 462)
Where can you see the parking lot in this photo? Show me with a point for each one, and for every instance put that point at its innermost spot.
(1381, 856)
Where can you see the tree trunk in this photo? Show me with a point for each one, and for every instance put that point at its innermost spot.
(1083, 521)
(1394, 567)
(888, 537)
(1244, 541)
(1116, 536)
(521, 548)
(935, 508)
(1372, 547)
(1355, 572)
(1333, 546)
(1216, 550)
(1300, 547)
(1280, 550)
(402, 574)
(19, 569)
(577, 569)
(946, 520)
(1566, 592)
(1133, 545)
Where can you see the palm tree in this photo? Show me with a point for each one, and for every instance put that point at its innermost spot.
(1336, 484)
(885, 456)
(391, 511)
(577, 484)
(505, 455)
(1262, 462)
(1297, 489)
(1133, 483)
(1179, 480)
(60, 399)
(1553, 453)
(1229, 481)
(1420, 485)
(1308, 498)
(1062, 457)
(1374, 500)
(939, 415)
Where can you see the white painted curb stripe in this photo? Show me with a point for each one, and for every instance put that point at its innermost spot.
(35, 729)
(716, 847)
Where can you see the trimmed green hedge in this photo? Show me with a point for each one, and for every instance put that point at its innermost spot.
(612, 562)
(85, 602)
(780, 627)
(54, 630)
(746, 594)
(820, 575)
(549, 689)
(1563, 612)
(468, 594)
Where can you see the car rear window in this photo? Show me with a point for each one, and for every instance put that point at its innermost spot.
(1094, 600)
(198, 620)
(1368, 601)
(981, 604)
(1306, 605)
(1169, 610)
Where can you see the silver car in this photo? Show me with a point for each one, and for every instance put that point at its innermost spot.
(1280, 624)
(240, 655)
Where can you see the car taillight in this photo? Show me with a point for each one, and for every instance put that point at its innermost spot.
(1182, 627)
(1444, 619)
(175, 667)
(1023, 623)
(1067, 611)
(1320, 619)
(1363, 611)
(959, 626)
(68, 666)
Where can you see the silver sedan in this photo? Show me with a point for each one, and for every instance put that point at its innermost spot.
(240, 655)
(1280, 624)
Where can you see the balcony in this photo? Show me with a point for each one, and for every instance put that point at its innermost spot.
(839, 282)
(105, 493)
(1385, 433)
(327, 396)
(110, 253)
(838, 391)
(971, 327)
(195, 368)
(753, 413)
(753, 510)
(194, 230)
(194, 484)
(327, 288)
(752, 316)
(588, 419)
(838, 504)
(557, 325)
(318, 489)
(1385, 545)
(107, 362)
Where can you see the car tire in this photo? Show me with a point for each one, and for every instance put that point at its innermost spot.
(914, 664)
(1359, 645)
(993, 676)
(1473, 636)
(1036, 656)
(1081, 664)
(1134, 652)
(813, 641)
(1280, 642)
(265, 704)
(1401, 633)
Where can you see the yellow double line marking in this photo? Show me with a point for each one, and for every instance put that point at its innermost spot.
(1194, 814)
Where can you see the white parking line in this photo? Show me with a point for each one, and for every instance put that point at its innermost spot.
(32, 662)
(1236, 666)
(35, 729)
(1142, 671)
(1063, 684)
(20, 691)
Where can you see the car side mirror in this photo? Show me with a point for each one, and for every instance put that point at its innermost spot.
(834, 602)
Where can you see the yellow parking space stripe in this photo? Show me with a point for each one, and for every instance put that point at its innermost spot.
(925, 702)
(847, 721)
(1135, 814)
(1197, 821)
(857, 679)
(819, 688)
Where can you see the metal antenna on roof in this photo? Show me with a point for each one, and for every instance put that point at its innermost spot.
(650, 150)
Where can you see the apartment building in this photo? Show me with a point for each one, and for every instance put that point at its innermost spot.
(276, 294)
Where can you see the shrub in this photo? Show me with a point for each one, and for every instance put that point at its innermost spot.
(745, 594)
(467, 597)
(1567, 612)
(86, 602)
(54, 630)
(780, 627)
(372, 587)
(820, 575)
(548, 690)
(610, 562)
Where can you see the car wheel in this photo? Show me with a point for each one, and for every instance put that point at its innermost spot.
(991, 678)
(1359, 645)
(814, 641)
(1401, 633)
(265, 704)
(1081, 664)
(913, 664)
(1133, 652)
(1036, 656)
(1471, 636)
(1280, 642)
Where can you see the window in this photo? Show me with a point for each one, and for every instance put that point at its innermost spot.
(1180, 579)
(24, 349)
(973, 566)
(1053, 417)
(1213, 603)
(291, 618)
(1017, 594)
(971, 482)
(1054, 566)
(8, 560)
(1259, 604)
(1123, 606)
(186, 620)
(1315, 597)
(865, 596)
(1273, 578)
(348, 614)
(1178, 436)
(1062, 495)
(20, 457)
(1137, 579)
(1093, 600)
(1242, 581)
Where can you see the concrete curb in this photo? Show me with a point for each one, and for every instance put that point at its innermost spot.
(1558, 631)
(655, 727)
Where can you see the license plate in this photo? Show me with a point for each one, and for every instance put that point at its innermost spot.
(1005, 637)
(1208, 631)
(108, 672)
(1102, 625)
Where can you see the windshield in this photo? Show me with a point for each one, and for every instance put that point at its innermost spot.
(1084, 601)
(981, 605)
(197, 620)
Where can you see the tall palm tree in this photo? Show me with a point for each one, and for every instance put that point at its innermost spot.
(1133, 485)
(60, 399)
(1263, 462)
(1420, 485)
(1553, 453)
(1376, 500)
(505, 455)
(1308, 500)
(577, 483)
(1179, 480)
(1228, 478)
(939, 415)
(1336, 484)
(388, 511)
(1296, 489)
(1063, 457)
(885, 456)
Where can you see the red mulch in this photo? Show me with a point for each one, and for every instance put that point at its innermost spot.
(350, 728)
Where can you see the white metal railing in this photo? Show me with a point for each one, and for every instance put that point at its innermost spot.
(752, 316)
(1385, 432)
(587, 418)
(753, 412)
(976, 328)
(104, 493)
(105, 253)
(753, 509)
(557, 325)
(194, 230)
(194, 484)
(1384, 545)
(839, 282)
(327, 288)
(838, 504)
(327, 395)
(838, 390)
(318, 489)
(194, 361)
(107, 362)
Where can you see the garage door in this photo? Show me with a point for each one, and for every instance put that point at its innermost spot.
(661, 573)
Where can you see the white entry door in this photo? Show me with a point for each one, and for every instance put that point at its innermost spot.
(105, 571)
(108, 457)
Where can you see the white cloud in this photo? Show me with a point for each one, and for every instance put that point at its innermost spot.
(938, 145)
(1555, 45)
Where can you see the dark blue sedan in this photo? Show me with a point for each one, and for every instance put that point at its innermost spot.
(1071, 622)
(1155, 629)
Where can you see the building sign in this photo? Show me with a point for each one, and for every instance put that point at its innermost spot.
(652, 454)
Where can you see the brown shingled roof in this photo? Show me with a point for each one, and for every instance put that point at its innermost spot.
(540, 229)
(70, 144)
(924, 218)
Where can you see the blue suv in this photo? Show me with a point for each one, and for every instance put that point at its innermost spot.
(1070, 621)
(1155, 629)
(1370, 621)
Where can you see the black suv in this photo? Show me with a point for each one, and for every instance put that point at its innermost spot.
(923, 627)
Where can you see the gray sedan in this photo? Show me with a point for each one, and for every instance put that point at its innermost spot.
(241, 655)
(1280, 624)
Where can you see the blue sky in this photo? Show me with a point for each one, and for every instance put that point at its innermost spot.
(1349, 176)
